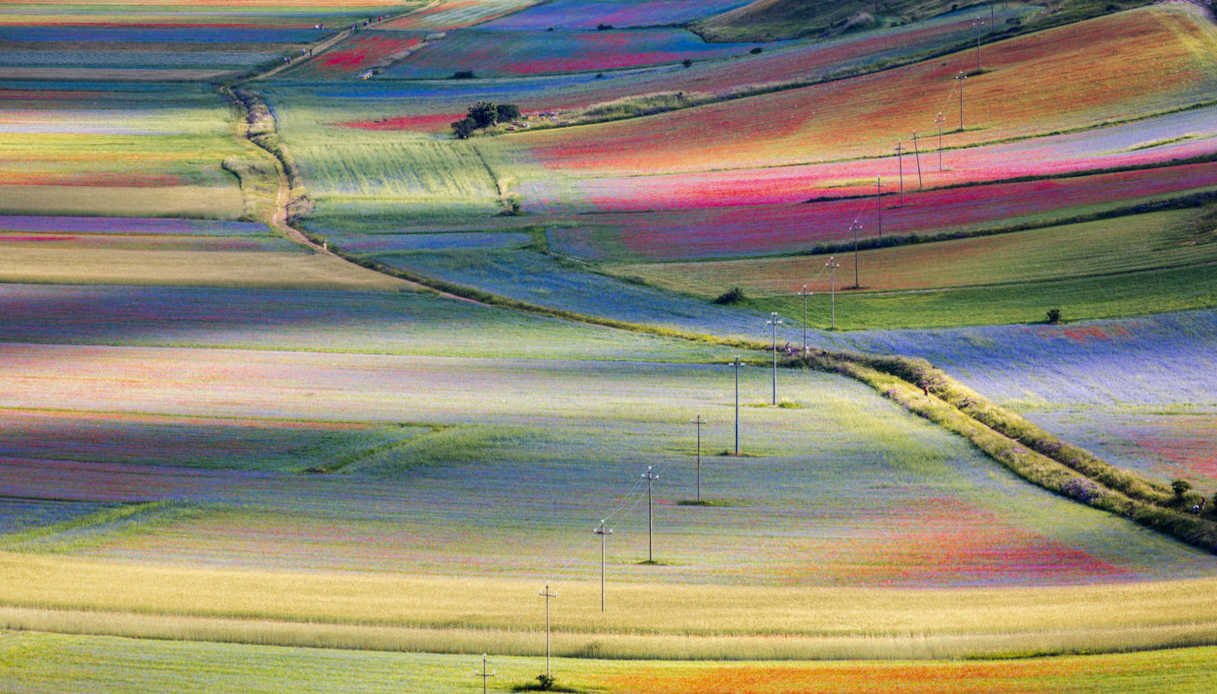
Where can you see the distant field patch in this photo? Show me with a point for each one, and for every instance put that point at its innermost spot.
(456, 14)
(361, 52)
(1124, 244)
(500, 53)
(1026, 80)
(587, 14)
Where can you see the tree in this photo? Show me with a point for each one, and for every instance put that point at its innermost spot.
(1180, 488)
(484, 114)
(507, 112)
(1053, 316)
(463, 128)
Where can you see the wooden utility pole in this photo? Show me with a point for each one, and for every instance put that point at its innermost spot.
(650, 477)
(484, 674)
(832, 266)
(775, 322)
(917, 156)
(855, 227)
(939, 120)
(547, 595)
(900, 164)
(960, 78)
(879, 204)
(699, 421)
(805, 293)
(603, 533)
(736, 363)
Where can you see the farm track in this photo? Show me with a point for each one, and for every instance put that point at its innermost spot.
(984, 424)
(255, 113)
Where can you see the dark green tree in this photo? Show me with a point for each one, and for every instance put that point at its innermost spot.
(484, 114)
(463, 128)
(507, 112)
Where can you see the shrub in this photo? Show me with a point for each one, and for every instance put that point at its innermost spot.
(686, 62)
(1081, 490)
(1053, 316)
(733, 295)
(756, 50)
(603, 27)
(462, 75)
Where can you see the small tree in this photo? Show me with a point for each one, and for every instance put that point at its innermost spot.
(463, 128)
(1180, 488)
(507, 112)
(1053, 316)
(484, 114)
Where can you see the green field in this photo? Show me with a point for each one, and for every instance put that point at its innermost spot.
(49, 662)
(1133, 265)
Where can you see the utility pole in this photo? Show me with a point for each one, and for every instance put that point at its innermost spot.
(900, 163)
(879, 203)
(917, 156)
(939, 120)
(650, 477)
(484, 674)
(961, 77)
(699, 421)
(547, 595)
(736, 364)
(855, 227)
(775, 322)
(832, 266)
(977, 24)
(804, 293)
(603, 533)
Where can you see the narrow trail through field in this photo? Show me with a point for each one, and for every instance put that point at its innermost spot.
(1034, 455)
(257, 124)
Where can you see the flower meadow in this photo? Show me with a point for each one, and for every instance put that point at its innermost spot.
(575, 15)
(502, 53)
(860, 117)
(284, 361)
(767, 229)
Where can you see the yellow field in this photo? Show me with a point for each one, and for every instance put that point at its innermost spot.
(41, 263)
(441, 614)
